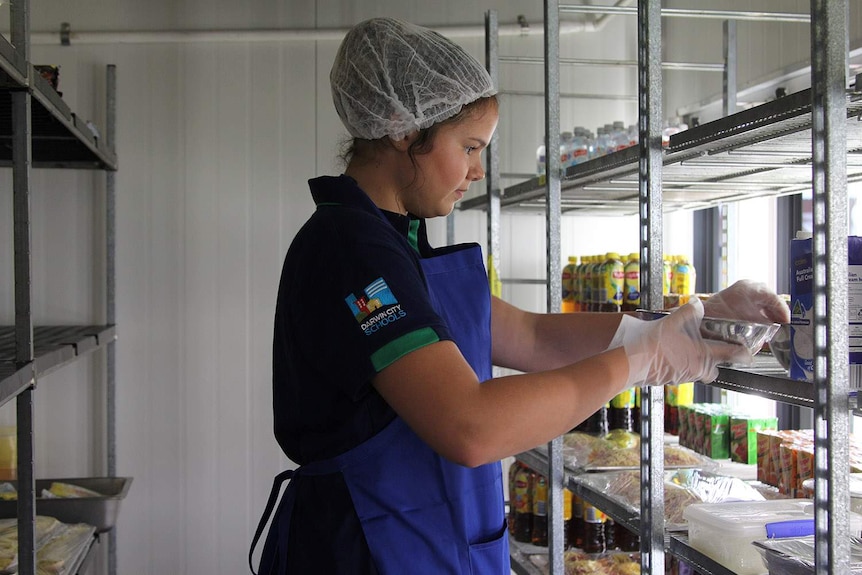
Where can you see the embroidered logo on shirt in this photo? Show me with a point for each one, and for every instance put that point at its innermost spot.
(376, 307)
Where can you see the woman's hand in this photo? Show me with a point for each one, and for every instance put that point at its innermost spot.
(671, 349)
(748, 301)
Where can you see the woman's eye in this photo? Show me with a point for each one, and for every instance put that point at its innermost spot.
(469, 149)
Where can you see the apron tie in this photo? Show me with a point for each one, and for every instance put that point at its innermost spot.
(270, 505)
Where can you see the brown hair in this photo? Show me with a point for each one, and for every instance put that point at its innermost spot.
(363, 150)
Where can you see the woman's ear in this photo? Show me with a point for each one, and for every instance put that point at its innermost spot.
(403, 144)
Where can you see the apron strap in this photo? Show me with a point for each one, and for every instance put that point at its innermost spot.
(270, 505)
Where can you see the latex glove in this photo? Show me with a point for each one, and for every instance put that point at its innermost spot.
(671, 349)
(749, 301)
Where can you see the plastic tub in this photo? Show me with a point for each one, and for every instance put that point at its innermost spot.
(100, 512)
(725, 531)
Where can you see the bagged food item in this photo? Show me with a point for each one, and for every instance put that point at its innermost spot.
(67, 490)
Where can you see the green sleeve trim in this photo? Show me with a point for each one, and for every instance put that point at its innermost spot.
(398, 348)
(413, 234)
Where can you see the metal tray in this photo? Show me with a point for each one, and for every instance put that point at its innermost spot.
(100, 512)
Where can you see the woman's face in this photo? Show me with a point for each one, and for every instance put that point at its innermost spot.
(442, 175)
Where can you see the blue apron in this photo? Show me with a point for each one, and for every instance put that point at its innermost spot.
(420, 513)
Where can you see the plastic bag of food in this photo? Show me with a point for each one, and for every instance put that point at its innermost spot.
(59, 552)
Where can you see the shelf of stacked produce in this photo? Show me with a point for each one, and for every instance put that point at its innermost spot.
(53, 347)
(764, 151)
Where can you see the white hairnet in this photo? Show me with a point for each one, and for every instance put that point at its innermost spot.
(391, 78)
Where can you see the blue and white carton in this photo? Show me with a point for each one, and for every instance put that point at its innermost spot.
(802, 309)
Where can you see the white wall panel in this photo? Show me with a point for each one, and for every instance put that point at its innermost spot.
(216, 143)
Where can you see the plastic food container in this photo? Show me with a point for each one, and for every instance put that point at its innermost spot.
(855, 491)
(795, 556)
(725, 531)
(100, 512)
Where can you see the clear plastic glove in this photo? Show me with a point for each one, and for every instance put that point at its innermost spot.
(748, 301)
(671, 349)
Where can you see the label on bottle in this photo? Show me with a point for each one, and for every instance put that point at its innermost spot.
(540, 497)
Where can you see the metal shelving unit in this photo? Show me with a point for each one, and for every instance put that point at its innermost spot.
(795, 143)
(38, 129)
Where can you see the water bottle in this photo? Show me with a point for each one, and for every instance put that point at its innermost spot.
(540, 160)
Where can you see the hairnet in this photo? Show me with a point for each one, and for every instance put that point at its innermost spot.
(391, 78)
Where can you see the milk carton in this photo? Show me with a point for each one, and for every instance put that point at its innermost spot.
(802, 309)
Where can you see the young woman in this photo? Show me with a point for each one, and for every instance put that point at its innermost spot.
(382, 384)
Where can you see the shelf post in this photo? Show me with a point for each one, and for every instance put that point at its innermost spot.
(111, 295)
(829, 243)
(649, 195)
(553, 190)
(21, 164)
(492, 157)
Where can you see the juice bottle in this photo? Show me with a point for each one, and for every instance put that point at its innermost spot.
(610, 534)
(540, 511)
(683, 279)
(620, 411)
(598, 284)
(576, 284)
(667, 275)
(577, 525)
(567, 519)
(625, 539)
(594, 529)
(613, 277)
(632, 283)
(510, 519)
(568, 295)
(586, 278)
(597, 423)
(523, 505)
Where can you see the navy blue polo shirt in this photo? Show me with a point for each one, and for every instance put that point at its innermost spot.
(351, 301)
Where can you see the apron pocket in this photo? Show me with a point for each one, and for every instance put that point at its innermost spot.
(492, 556)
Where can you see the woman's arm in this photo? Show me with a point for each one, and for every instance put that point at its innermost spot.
(536, 341)
(437, 393)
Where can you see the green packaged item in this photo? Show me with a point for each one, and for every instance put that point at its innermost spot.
(743, 436)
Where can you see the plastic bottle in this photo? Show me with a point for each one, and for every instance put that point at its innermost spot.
(667, 274)
(566, 149)
(510, 519)
(586, 277)
(626, 540)
(576, 527)
(620, 136)
(683, 278)
(580, 150)
(568, 296)
(620, 411)
(602, 142)
(610, 534)
(634, 135)
(613, 278)
(598, 284)
(576, 283)
(540, 159)
(540, 511)
(632, 283)
(597, 423)
(594, 529)
(567, 518)
(523, 505)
